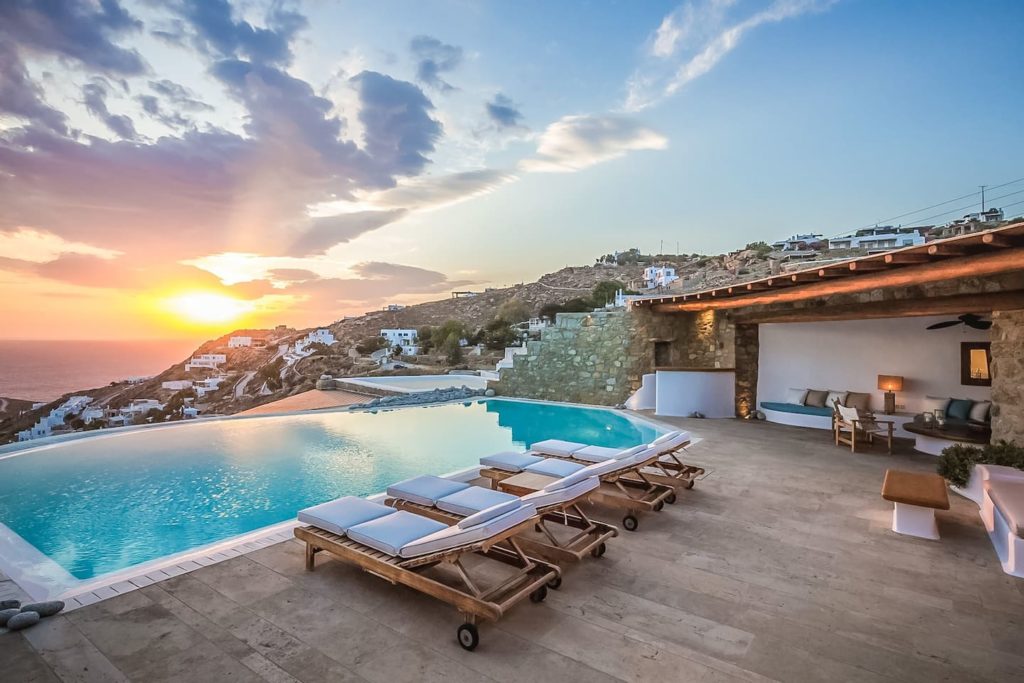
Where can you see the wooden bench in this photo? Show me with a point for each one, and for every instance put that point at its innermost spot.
(915, 497)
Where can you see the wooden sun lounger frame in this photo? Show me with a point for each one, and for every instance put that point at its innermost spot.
(634, 493)
(473, 602)
(590, 537)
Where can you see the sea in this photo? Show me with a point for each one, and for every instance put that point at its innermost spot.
(44, 370)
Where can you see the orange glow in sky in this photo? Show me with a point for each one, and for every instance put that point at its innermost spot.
(206, 308)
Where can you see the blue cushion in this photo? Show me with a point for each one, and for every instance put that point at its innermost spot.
(555, 468)
(388, 534)
(472, 500)
(341, 514)
(959, 408)
(794, 408)
(510, 461)
(425, 489)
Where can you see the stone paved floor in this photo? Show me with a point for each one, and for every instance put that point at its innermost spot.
(779, 565)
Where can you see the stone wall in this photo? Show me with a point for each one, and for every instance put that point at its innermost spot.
(583, 358)
(748, 349)
(1007, 335)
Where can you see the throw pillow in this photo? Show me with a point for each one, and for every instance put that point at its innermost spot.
(979, 411)
(959, 408)
(860, 401)
(932, 403)
(816, 398)
(796, 396)
(834, 396)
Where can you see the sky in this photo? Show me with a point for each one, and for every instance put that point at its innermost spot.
(180, 169)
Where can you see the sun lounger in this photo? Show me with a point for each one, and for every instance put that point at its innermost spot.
(664, 467)
(557, 507)
(623, 484)
(401, 547)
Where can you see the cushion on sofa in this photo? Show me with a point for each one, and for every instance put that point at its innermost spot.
(816, 398)
(979, 411)
(796, 396)
(959, 408)
(834, 396)
(797, 409)
(859, 400)
(932, 403)
(1008, 496)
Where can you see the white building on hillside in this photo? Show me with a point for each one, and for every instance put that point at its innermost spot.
(208, 385)
(404, 337)
(239, 342)
(320, 336)
(46, 425)
(659, 276)
(206, 360)
(798, 242)
(176, 384)
(879, 238)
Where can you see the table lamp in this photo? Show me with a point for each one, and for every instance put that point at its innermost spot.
(890, 384)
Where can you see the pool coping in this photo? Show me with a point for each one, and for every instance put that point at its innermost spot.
(21, 561)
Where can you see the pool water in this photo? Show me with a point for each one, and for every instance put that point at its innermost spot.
(109, 502)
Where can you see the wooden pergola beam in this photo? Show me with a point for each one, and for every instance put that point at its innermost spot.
(979, 265)
(903, 308)
(907, 257)
(867, 266)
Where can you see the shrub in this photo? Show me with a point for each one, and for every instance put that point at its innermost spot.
(957, 461)
(371, 344)
(452, 349)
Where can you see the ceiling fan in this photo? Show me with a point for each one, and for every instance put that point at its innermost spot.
(968, 319)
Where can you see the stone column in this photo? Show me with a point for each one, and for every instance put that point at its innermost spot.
(1007, 335)
(747, 352)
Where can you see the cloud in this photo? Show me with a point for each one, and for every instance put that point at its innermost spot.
(292, 274)
(178, 95)
(95, 100)
(576, 142)
(503, 112)
(324, 232)
(40, 246)
(432, 192)
(218, 33)
(81, 30)
(375, 282)
(20, 96)
(434, 58)
(398, 131)
(694, 38)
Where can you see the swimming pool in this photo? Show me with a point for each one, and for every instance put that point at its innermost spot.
(407, 384)
(105, 503)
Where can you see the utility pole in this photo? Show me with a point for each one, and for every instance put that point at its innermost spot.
(983, 197)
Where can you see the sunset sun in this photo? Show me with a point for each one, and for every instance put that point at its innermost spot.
(206, 307)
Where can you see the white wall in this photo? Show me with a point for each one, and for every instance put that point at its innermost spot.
(849, 356)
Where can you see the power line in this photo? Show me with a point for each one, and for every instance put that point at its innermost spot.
(933, 206)
(968, 206)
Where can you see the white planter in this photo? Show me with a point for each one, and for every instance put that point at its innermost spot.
(974, 489)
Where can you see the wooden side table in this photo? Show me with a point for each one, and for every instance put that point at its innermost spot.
(525, 483)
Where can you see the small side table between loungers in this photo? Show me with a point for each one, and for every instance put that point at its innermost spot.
(915, 497)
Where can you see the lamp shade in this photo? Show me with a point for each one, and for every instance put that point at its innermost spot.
(890, 383)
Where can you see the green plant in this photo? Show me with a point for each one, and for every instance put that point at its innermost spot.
(957, 461)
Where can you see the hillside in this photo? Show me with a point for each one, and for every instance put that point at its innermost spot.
(254, 376)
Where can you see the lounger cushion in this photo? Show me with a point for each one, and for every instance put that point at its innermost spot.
(487, 514)
(675, 440)
(598, 469)
(471, 500)
(555, 467)
(455, 536)
(1008, 496)
(425, 489)
(343, 513)
(557, 447)
(545, 498)
(668, 436)
(510, 461)
(596, 453)
(390, 533)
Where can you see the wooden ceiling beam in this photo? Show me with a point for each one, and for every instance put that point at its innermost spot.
(907, 257)
(996, 240)
(903, 308)
(946, 250)
(868, 266)
(979, 265)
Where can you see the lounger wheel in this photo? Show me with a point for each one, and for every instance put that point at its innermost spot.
(630, 522)
(689, 484)
(671, 498)
(598, 550)
(469, 636)
(659, 506)
(555, 583)
(539, 595)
